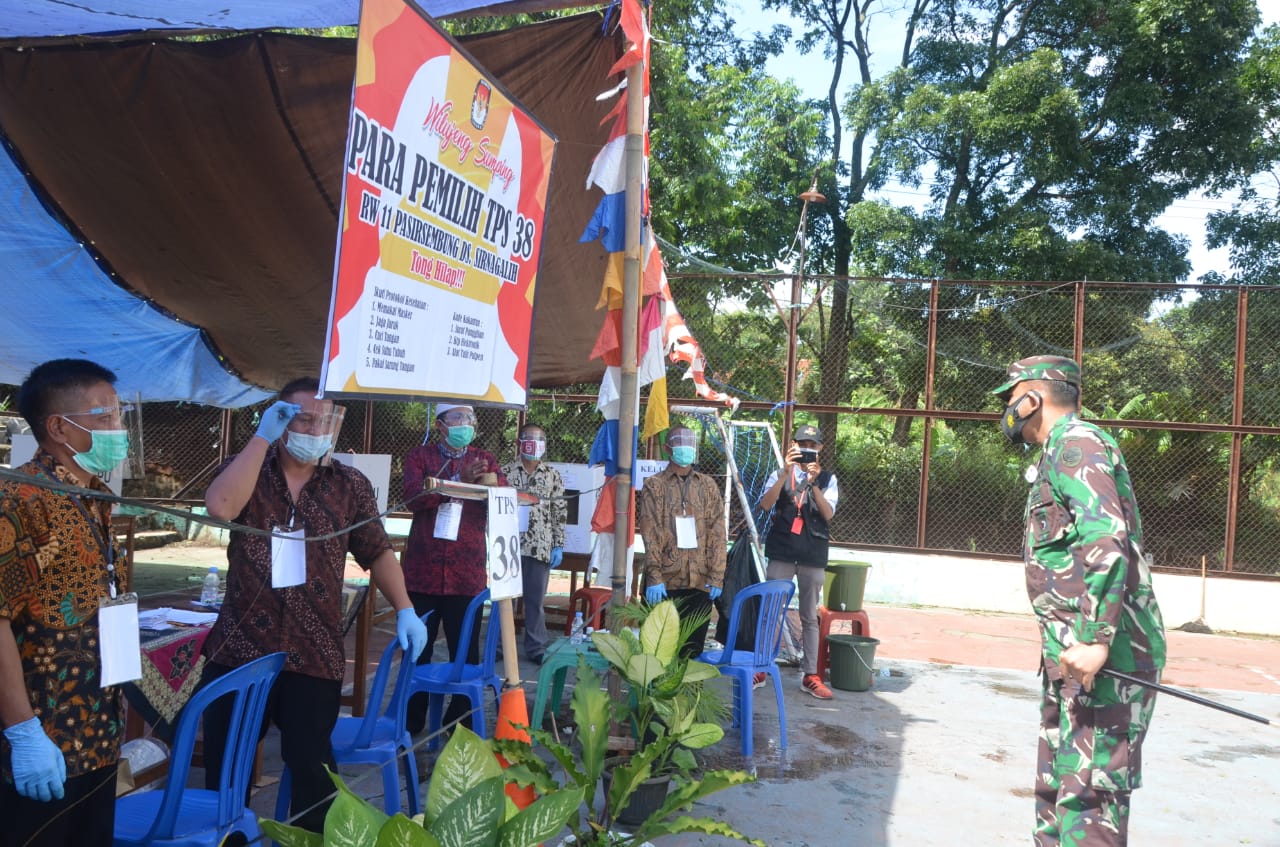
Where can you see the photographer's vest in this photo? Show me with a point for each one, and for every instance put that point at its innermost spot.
(799, 533)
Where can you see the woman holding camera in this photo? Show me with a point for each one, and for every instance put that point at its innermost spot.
(803, 498)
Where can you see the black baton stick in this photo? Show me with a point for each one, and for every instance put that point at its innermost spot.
(1164, 689)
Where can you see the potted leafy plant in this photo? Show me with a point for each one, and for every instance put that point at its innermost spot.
(465, 797)
(662, 709)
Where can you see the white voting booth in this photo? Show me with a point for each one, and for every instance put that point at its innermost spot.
(376, 466)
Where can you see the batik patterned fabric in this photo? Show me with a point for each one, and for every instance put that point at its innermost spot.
(305, 622)
(548, 516)
(1087, 576)
(664, 496)
(433, 565)
(53, 571)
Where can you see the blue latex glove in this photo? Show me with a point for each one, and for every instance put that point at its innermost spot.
(39, 768)
(714, 591)
(411, 632)
(655, 594)
(276, 419)
(557, 556)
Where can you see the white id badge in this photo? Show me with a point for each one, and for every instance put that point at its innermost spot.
(288, 558)
(448, 518)
(119, 641)
(522, 518)
(686, 532)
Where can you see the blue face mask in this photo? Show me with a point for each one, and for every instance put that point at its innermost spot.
(307, 448)
(108, 449)
(459, 437)
(684, 456)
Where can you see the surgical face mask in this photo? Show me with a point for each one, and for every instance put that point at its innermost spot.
(109, 448)
(532, 448)
(459, 437)
(1012, 425)
(683, 455)
(307, 448)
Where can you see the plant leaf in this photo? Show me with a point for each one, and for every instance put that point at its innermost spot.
(699, 671)
(402, 832)
(660, 632)
(466, 761)
(543, 818)
(290, 836)
(643, 669)
(709, 826)
(701, 735)
(351, 821)
(472, 819)
(591, 710)
(612, 648)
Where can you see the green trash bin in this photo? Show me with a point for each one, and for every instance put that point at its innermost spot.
(844, 586)
(852, 659)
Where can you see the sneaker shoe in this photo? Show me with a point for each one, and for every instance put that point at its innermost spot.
(759, 680)
(813, 684)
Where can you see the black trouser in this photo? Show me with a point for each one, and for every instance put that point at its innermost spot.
(84, 817)
(305, 708)
(692, 601)
(450, 610)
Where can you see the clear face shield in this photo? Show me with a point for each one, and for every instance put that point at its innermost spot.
(116, 433)
(683, 445)
(313, 433)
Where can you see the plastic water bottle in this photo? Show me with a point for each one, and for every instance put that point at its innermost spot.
(209, 590)
(576, 635)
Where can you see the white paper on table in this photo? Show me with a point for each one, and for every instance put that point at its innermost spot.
(288, 558)
(182, 616)
(155, 619)
(119, 640)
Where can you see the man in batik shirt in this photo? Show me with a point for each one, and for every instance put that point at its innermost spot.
(58, 559)
(680, 514)
(1090, 586)
(542, 539)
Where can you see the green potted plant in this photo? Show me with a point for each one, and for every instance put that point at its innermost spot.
(465, 797)
(662, 708)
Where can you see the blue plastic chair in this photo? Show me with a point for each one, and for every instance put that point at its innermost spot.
(181, 816)
(376, 738)
(459, 677)
(774, 597)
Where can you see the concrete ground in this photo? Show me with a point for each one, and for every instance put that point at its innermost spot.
(942, 751)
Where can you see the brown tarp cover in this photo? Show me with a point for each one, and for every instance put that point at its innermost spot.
(206, 175)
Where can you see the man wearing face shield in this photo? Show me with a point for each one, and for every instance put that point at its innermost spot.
(1090, 586)
(284, 593)
(680, 515)
(444, 559)
(542, 531)
(58, 561)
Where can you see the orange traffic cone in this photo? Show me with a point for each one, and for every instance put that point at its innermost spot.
(513, 714)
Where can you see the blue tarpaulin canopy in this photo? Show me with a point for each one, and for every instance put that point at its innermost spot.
(128, 215)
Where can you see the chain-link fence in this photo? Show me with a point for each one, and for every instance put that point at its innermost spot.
(1187, 378)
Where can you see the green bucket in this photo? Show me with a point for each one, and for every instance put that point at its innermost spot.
(844, 586)
(851, 659)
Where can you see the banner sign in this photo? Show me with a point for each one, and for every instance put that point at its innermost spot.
(443, 204)
(502, 538)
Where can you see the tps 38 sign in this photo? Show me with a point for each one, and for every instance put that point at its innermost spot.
(444, 199)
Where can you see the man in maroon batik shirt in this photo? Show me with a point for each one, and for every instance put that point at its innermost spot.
(444, 558)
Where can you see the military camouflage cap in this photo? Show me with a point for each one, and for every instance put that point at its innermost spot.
(1058, 368)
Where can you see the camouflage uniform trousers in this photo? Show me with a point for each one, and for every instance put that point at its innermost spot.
(1090, 760)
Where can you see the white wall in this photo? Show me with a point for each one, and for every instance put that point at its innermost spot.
(955, 582)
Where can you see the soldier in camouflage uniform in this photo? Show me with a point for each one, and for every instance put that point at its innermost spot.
(1090, 587)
